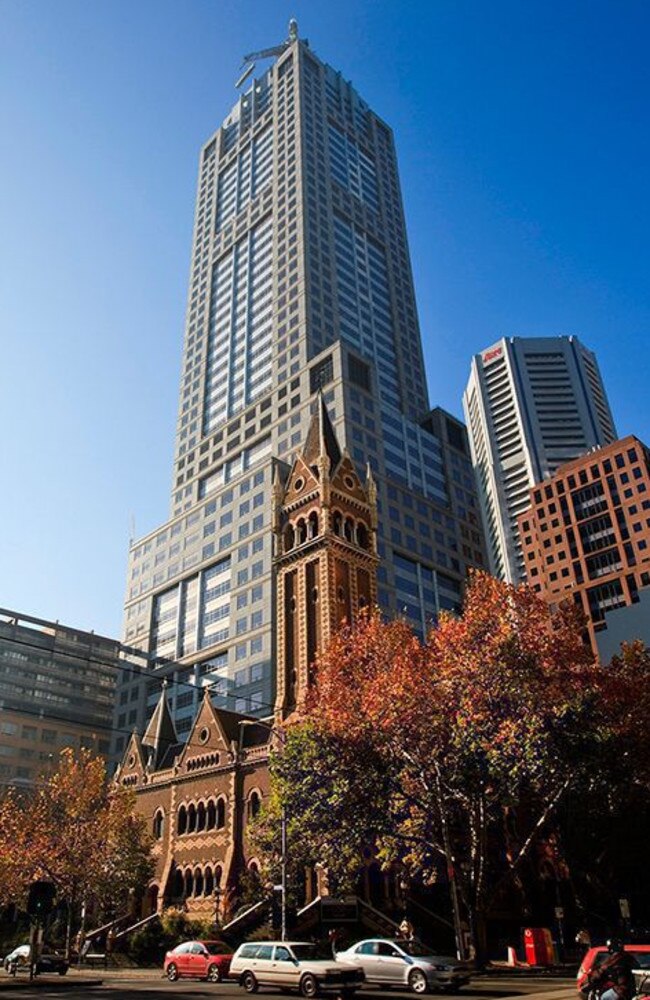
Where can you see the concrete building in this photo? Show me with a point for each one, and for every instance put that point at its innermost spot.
(300, 282)
(586, 536)
(530, 404)
(57, 689)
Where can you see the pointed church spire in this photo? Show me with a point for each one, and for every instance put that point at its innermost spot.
(371, 492)
(161, 732)
(321, 440)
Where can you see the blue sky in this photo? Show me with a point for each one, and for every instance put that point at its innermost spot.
(523, 143)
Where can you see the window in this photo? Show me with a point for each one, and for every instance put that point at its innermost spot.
(158, 824)
(321, 374)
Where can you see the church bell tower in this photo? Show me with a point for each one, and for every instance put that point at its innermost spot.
(325, 538)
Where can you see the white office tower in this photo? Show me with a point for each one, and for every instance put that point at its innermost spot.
(300, 283)
(531, 404)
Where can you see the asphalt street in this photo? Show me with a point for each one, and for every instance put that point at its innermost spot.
(148, 987)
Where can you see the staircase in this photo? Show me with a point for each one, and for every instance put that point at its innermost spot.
(136, 926)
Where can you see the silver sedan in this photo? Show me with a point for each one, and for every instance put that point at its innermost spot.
(405, 963)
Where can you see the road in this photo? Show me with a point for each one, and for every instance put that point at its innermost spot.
(143, 986)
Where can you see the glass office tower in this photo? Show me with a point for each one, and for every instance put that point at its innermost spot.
(300, 282)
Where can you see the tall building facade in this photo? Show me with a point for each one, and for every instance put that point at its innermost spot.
(586, 536)
(300, 283)
(531, 404)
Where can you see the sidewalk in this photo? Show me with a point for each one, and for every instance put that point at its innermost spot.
(76, 978)
(565, 971)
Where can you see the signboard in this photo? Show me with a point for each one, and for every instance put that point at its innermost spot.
(496, 352)
(624, 905)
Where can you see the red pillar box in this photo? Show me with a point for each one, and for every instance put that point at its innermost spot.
(538, 946)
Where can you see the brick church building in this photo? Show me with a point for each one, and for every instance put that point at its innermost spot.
(200, 794)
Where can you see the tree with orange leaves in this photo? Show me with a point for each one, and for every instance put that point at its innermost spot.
(78, 832)
(492, 717)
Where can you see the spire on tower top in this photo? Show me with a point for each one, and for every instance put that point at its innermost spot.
(321, 440)
(161, 732)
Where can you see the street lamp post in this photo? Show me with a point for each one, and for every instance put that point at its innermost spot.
(281, 736)
(283, 870)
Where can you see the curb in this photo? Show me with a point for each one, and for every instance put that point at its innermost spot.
(62, 983)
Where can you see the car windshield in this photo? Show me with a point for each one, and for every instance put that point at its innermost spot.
(217, 948)
(308, 952)
(414, 949)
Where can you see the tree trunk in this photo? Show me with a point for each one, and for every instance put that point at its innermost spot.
(478, 933)
(68, 933)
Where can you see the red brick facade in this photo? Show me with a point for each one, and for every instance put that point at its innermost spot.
(586, 536)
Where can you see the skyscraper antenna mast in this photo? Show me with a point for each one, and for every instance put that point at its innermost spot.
(248, 62)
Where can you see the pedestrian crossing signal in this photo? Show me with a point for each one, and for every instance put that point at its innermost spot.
(41, 899)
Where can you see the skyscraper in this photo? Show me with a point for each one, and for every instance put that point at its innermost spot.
(300, 282)
(531, 404)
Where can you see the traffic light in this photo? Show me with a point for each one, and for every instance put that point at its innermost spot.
(41, 899)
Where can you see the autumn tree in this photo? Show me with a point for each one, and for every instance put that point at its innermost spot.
(479, 734)
(78, 832)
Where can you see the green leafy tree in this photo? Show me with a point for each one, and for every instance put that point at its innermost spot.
(335, 793)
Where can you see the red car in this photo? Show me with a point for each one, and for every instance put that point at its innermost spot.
(595, 956)
(200, 959)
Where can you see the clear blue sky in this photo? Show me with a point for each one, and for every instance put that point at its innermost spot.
(523, 142)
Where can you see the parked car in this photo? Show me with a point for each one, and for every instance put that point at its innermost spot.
(388, 962)
(200, 959)
(18, 957)
(597, 955)
(293, 965)
(50, 960)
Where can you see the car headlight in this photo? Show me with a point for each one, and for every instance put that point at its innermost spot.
(441, 968)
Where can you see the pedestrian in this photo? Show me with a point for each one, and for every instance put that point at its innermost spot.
(406, 930)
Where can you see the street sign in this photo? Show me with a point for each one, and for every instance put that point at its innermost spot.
(559, 912)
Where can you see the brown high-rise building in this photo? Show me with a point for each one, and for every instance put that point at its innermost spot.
(586, 536)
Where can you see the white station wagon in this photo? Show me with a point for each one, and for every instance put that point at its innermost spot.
(296, 965)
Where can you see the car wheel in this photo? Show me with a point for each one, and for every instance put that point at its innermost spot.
(172, 972)
(213, 974)
(308, 985)
(418, 981)
(249, 982)
(62, 972)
